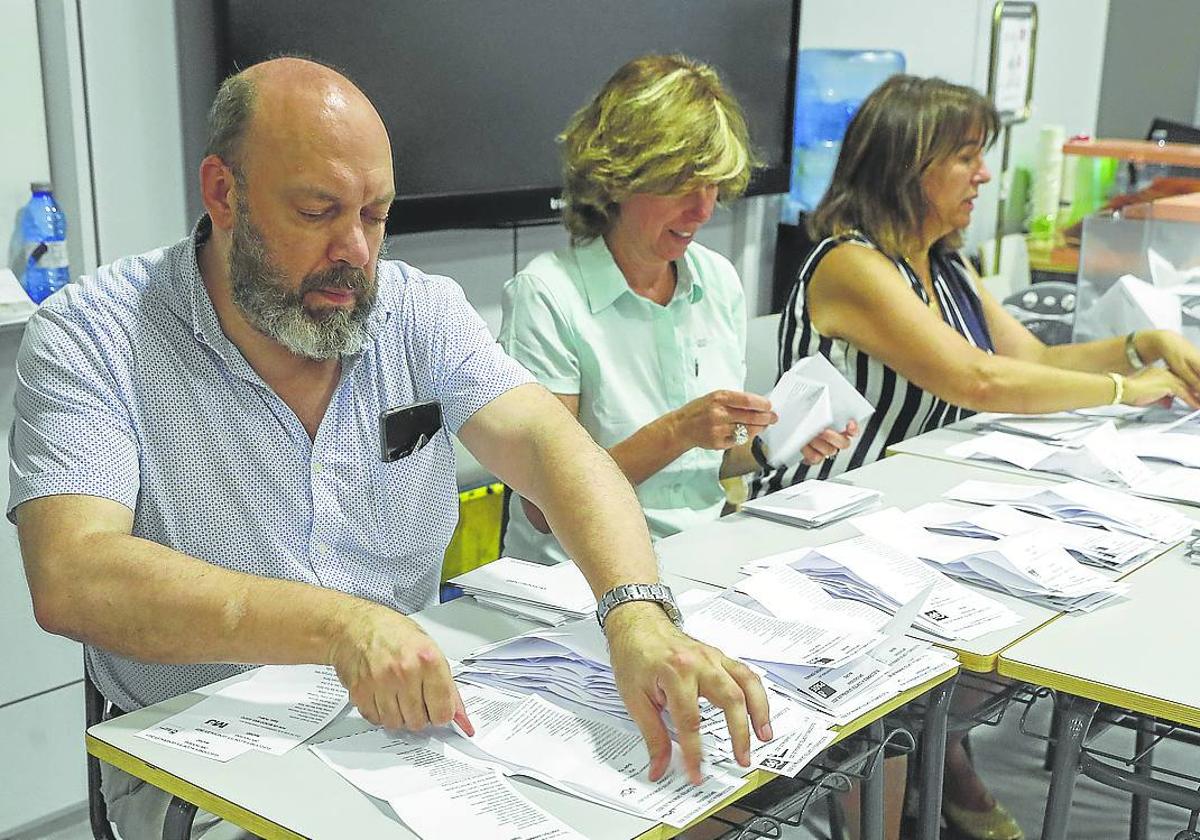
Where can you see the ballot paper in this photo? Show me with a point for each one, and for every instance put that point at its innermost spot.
(865, 569)
(547, 593)
(275, 709)
(811, 504)
(1094, 546)
(811, 397)
(1060, 426)
(1174, 447)
(593, 755)
(1176, 484)
(849, 690)
(1081, 503)
(1027, 565)
(1166, 276)
(747, 634)
(1100, 456)
(1131, 304)
(437, 791)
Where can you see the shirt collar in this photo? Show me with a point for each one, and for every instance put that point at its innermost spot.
(603, 282)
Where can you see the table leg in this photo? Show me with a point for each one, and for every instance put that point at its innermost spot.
(933, 760)
(871, 820)
(177, 824)
(1139, 814)
(1073, 724)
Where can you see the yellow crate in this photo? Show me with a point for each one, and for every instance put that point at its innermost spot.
(476, 540)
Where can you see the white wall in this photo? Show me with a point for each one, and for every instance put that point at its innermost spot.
(25, 158)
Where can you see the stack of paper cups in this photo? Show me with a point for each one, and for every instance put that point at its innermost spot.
(1047, 185)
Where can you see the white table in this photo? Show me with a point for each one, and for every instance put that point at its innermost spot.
(295, 795)
(1136, 655)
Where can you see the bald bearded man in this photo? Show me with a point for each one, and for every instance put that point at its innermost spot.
(195, 466)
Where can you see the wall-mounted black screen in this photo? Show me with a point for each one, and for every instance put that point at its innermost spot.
(473, 92)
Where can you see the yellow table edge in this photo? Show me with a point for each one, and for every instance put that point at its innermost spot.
(1101, 692)
(263, 827)
(176, 786)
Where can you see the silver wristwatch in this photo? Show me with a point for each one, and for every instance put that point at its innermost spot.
(659, 593)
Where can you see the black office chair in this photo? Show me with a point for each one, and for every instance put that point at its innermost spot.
(180, 814)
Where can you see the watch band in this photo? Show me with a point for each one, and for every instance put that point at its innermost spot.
(1131, 353)
(659, 593)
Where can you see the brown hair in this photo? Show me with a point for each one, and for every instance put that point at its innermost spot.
(905, 126)
(662, 125)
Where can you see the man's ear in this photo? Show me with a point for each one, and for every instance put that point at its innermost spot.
(218, 191)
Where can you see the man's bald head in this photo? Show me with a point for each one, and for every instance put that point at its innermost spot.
(271, 102)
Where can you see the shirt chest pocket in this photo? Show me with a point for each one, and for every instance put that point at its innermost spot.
(414, 503)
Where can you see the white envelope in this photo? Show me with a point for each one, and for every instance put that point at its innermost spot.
(811, 397)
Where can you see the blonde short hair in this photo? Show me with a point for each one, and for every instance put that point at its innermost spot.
(905, 126)
(663, 125)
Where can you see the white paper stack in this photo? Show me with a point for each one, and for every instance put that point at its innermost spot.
(1081, 503)
(811, 504)
(867, 570)
(1060, 426)
(1099, 456)
(1093, 546)
(545, 594)
(569, 666)
(1029, 565)
(845, 691)
(811, 397)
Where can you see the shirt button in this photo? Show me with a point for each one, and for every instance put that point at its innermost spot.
(322, 548)
(318, 467)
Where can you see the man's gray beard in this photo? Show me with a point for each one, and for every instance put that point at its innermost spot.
(260, 292)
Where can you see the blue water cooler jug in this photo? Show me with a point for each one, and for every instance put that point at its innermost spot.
(830, 85)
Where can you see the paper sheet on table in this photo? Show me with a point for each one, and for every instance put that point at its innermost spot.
(438, 792)
(272, 711)
(1099, 456)
(1131, 304)
(559, 586)
(811, 397)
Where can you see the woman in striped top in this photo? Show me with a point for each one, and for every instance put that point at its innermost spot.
(887, 299)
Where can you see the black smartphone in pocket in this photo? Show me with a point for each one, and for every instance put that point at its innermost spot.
(407, 428)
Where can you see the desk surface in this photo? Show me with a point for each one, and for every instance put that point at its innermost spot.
(713, 552)
(295, 795)
(1133, 653)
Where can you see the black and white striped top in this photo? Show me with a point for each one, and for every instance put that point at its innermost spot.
(902, 410)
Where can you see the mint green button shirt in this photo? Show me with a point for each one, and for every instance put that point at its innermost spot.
(572, 320)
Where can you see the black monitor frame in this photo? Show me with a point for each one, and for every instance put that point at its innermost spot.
(541, 205)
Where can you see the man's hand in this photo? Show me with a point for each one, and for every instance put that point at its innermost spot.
(708, 422)
(658, 667)
(396, 675)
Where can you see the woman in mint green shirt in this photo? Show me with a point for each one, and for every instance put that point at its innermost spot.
(639, 330)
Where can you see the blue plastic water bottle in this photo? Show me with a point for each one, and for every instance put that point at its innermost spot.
(44, 231)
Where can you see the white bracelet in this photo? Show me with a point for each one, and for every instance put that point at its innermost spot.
(1118, 387)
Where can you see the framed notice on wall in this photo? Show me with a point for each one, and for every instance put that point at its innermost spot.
(1010, 66)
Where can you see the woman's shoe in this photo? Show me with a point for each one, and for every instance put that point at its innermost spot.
(996, 824)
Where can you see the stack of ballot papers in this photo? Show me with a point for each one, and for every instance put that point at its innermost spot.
(844, 691)
(1028, 565)
(546, 594)
(1093, 546)
(1080, 503)
(1099, 455)
(1060, 426)
(811, 397)
(569, 666)
(873, 572)
(811, 504)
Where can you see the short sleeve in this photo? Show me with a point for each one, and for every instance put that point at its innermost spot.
(466, 365)
(71, 433)
(536, 332)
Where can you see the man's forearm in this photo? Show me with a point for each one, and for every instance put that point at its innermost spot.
(142, 600)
